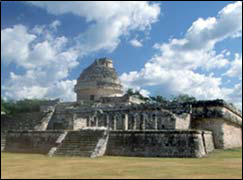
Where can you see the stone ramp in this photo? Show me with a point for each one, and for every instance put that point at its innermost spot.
(3, 141)
(46, 117)
(83, 143)
(58, 143)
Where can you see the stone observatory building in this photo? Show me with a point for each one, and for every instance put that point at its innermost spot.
(98, 80)
(104, 121)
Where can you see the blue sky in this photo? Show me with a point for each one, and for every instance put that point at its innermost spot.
(158, 48)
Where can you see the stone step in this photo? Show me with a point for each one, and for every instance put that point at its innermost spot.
(75, 153)
(3, 143)
(76, 147)
(84, 136)
(80, 140)
(84, 132)
(79, 143)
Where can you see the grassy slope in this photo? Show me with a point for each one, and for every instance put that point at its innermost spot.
(220, 165)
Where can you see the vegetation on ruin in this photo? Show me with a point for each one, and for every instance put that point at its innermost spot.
(3, 106)
(181, 98)
(26, 105)
(33, 105)
(223, 164)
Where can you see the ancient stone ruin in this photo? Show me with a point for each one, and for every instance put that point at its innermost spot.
(103, 121)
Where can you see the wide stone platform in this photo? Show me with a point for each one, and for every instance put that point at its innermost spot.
(98, 142)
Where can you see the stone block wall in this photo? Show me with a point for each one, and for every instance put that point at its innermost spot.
(214, 125)
(39, 142)
(208, 142)
(225, 123)
(3, 141)
(79, 122)
(183, 121)
(20, 121)
(225, 134)
(160, 144)
(118, 119)
(61, 120)
(85, 142)
(93, 143)
(69, 116)
(132, 120)
(121, 100)
(232, 137)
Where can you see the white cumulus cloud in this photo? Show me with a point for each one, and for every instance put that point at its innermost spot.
(174, 69)
(136, 43)
(110, 20)
(46, 61)
(15, 44)
(235, 67)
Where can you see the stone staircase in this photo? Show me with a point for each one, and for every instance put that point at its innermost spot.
(3, 141)
(83, 143)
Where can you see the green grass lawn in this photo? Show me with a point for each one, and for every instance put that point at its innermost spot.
(219, 165)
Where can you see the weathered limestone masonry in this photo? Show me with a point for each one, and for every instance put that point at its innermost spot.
(30, 120)
(20, 121)
(174, 143)
(104, 121)
(120, 117)
(222, 119)
(31, 141)
(86, 143)
(46, 117)
(98, 80)
(3, 141)
(97, 142)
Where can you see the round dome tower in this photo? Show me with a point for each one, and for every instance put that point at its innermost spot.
(98, 80)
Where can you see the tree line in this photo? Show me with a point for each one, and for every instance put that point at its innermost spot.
(26, 105)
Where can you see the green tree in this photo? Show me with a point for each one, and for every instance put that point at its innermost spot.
(3, 105)
(159, 99)
(26, 105)
(130, 92)
(183, 98)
